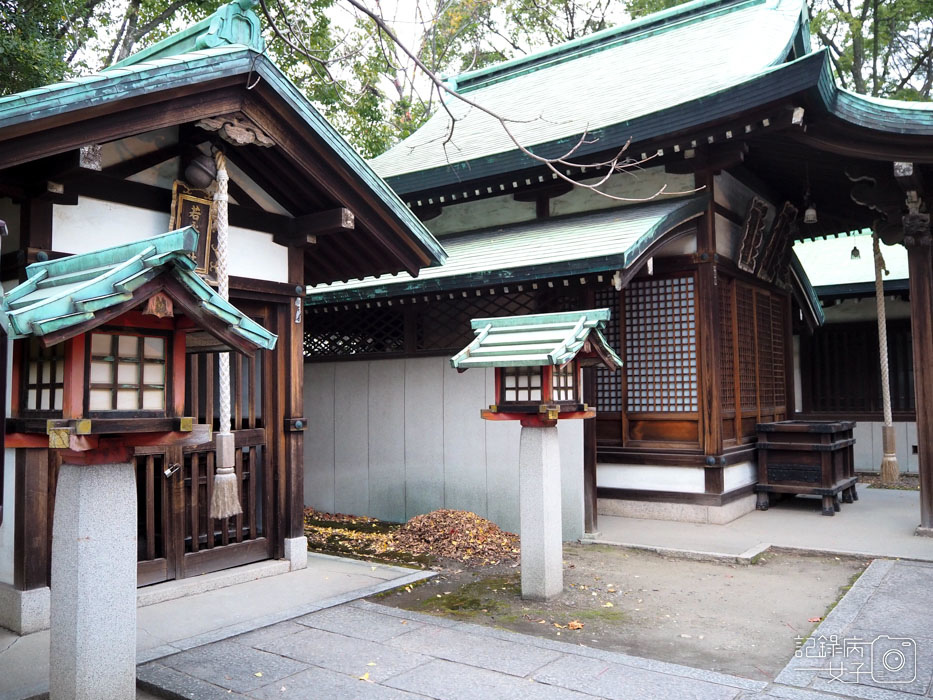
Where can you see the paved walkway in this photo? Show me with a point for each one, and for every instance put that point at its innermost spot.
(368, 651)
(195, 619)
(880, 524)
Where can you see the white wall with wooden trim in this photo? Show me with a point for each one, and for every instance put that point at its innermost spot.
(396, 438)
(85, 227)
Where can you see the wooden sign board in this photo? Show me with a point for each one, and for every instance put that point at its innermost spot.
(191, 207)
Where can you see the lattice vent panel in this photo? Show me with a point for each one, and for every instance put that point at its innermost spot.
(445, 324)
(745, 326)
(777, 356)
(765, 349)
(660, 339)
(726, 349)
(355, 332)
(608, 383)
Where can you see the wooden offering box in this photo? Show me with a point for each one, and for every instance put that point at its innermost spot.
(808, 457)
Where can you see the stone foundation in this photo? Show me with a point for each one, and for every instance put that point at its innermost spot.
(681, 512)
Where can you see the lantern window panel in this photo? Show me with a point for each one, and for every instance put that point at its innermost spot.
(127, 373)
(44, 378)
(521, 385)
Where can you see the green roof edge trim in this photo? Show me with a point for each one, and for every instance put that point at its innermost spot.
(691, 208)
(654, 23)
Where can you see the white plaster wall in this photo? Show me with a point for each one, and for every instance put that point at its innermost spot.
(738, 475)
(93, 224)
(396, 438)
(468, 216)
(651, 478)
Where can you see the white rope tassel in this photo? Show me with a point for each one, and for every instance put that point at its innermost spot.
(889, 466)
(225, 501)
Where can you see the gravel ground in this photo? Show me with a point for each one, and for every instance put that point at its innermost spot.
(736, 619)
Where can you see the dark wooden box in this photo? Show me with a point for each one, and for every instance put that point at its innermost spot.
(808, 457)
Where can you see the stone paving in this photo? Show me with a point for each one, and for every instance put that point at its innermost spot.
(877, 643)
(363, 650)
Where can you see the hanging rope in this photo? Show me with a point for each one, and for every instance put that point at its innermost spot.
(225, 500)
(889, 466)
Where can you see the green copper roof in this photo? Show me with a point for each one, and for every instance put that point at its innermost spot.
(535, 340)
(592, 242)
(201, 66)
(650, 65)
(58, 294)
(233, 23)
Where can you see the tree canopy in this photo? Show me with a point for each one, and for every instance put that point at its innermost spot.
(372, 89)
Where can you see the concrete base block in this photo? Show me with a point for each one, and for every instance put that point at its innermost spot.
(924, 531)
(680, 512)
(296, 552)
(540, 512)
(93, 601)
(24, 612)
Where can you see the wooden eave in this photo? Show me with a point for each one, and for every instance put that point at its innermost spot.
(316, 173)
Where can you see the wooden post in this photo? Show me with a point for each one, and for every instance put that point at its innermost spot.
(296, 545)
(918, 241)
(710, 390)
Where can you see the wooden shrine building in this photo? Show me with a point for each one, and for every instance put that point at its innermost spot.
(740, 142)
(113, 158)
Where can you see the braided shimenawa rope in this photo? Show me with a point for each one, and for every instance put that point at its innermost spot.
(889, 467)
(225, 501)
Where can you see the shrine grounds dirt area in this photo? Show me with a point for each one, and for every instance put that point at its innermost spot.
(738, 619)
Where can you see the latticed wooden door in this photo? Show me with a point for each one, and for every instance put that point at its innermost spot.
(176, 537)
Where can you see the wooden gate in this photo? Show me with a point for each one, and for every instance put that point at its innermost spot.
(176, 537)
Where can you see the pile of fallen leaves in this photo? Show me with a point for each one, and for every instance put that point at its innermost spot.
(458, 535)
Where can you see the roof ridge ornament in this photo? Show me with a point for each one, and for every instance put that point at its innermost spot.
(233, 23)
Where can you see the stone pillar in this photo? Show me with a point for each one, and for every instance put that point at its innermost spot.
(540, 512)
(93, 616)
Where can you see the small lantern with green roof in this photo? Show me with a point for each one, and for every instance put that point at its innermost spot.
(538, 363)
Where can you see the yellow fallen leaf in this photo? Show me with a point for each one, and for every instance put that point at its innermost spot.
(560, 626)
(575, 625)
(607, 604)
(258, 674)
(371, 663)
(365, 676)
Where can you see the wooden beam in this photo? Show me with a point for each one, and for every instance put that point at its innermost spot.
(32, 533)
(304, 230)
(135, 165)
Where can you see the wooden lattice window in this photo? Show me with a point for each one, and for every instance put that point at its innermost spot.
(521, 385)
(765, 350)
(563, 384)
(445, 324)
(660, 345)
(127, 373)
(726, 349)
(44, 380)
(609, 383)
(747, 357)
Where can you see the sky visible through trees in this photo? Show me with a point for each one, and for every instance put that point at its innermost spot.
(374, 93)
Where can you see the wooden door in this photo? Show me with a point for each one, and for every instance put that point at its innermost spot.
(177, 539)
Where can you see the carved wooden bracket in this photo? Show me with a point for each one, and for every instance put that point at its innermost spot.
(752, 235)
(237, 129)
